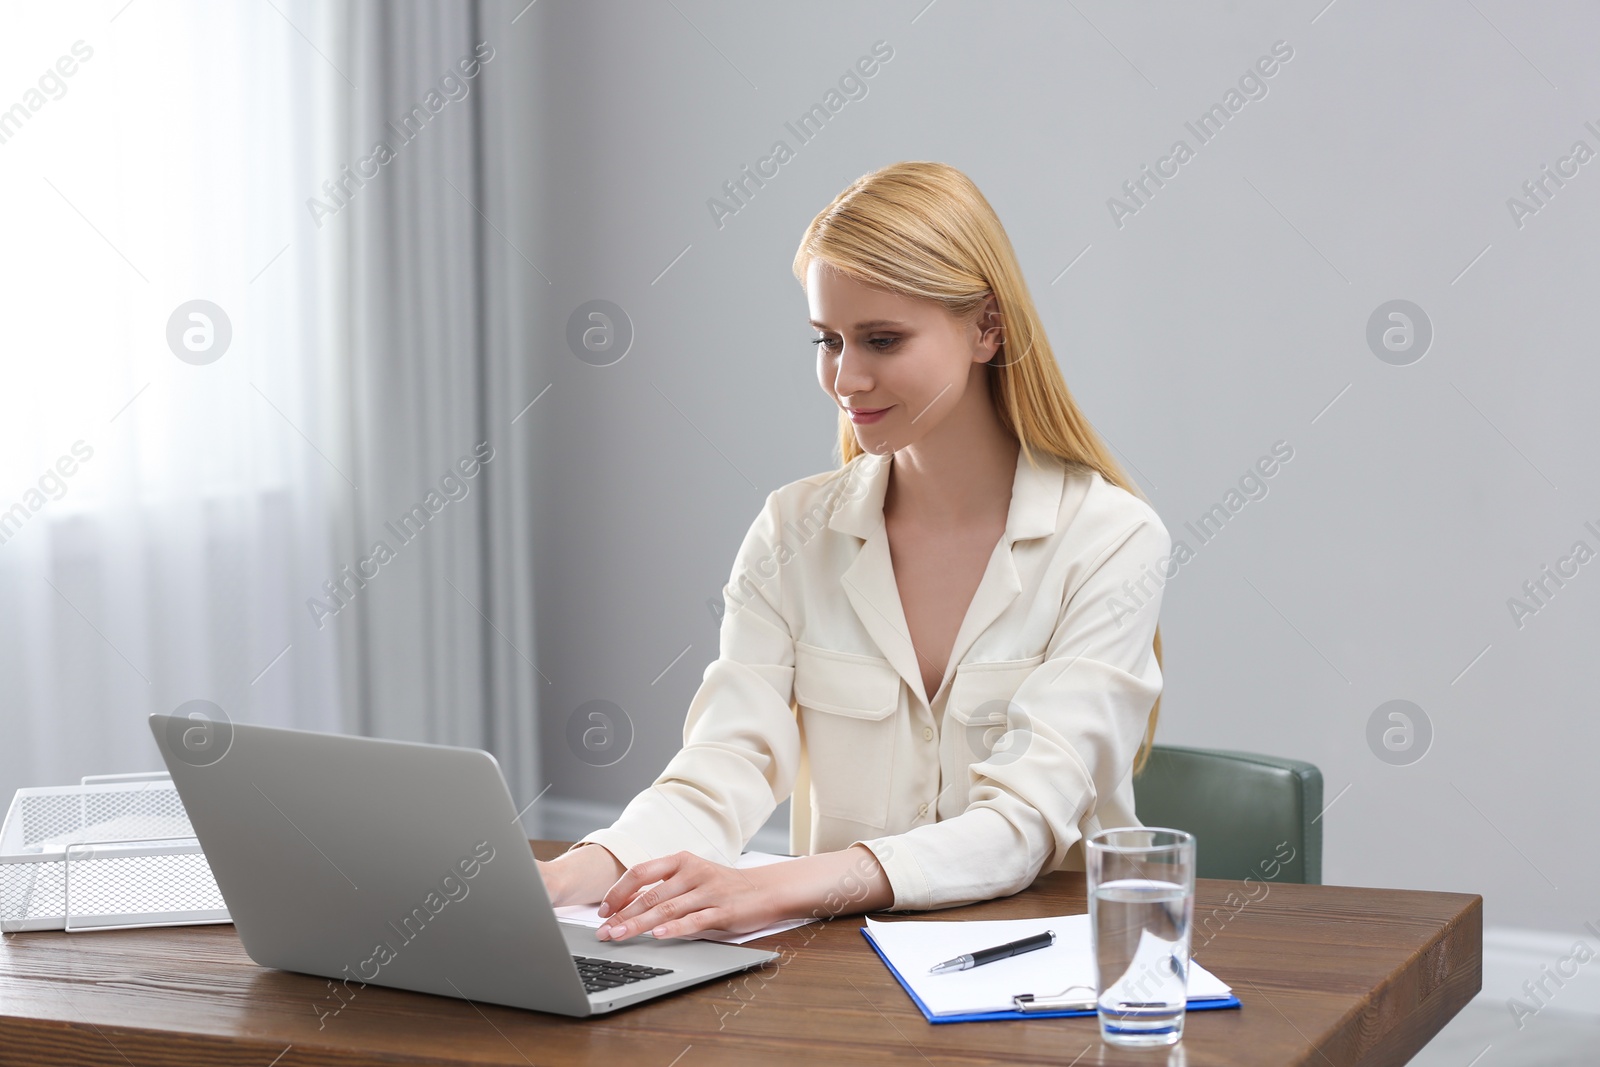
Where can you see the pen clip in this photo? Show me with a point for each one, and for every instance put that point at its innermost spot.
(1028, 1003)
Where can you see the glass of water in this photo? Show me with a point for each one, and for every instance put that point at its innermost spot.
(1141, 904)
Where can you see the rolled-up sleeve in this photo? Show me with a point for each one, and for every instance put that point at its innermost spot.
(741, 744)
(1073, 729)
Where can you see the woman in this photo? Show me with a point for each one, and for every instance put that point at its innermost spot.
(946, 650)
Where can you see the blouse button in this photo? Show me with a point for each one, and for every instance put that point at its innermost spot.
(927, 733)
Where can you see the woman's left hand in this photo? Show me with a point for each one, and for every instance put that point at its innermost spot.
(689, 895)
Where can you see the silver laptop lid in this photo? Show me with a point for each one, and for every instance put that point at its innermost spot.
(372, 861)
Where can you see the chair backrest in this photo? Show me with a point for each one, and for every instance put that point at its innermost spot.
(1246, 811)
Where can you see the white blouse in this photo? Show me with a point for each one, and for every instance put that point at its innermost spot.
(1026, 748)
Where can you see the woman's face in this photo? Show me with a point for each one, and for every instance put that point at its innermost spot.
(899, 365)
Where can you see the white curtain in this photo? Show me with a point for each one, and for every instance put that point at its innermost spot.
(156, 155)
(204, 543)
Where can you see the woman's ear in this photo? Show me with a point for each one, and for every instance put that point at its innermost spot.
(991, 331)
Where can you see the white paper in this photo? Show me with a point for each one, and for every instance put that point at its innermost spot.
(914, 946)
(589, 914)
(121, 828)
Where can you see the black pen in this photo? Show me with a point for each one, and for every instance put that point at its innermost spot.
(999, 952)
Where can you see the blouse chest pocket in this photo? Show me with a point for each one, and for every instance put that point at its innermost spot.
(847, 704)
(983, 722)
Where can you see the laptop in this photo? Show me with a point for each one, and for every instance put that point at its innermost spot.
(392, 863)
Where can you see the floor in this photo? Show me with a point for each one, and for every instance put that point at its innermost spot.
(1485, 1034)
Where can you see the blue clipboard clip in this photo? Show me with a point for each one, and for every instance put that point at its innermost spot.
(1029, 1003)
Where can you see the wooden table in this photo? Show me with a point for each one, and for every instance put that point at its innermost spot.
(1328, 975)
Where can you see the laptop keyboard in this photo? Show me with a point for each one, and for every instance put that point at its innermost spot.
(599, 975)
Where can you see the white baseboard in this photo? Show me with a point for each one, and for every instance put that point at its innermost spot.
(1513, 956)
(567, 819)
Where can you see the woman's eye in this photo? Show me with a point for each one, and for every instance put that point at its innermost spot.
(882, 344)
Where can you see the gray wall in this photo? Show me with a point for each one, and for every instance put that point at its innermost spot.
(1228, 314)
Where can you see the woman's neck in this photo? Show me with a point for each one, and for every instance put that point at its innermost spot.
(959, 474)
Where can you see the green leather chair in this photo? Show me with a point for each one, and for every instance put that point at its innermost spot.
(1242, 808)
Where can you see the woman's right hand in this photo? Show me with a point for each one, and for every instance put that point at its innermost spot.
(582, 875)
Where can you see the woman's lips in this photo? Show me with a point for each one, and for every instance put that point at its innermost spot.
(865, 415)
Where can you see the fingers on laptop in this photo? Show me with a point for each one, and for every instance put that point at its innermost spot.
(661, 895)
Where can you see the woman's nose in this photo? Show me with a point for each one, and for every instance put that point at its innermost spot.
(850, 374)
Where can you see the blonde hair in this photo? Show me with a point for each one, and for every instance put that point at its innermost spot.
(922, 229)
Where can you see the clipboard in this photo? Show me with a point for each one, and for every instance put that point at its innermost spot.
(1031, 1005)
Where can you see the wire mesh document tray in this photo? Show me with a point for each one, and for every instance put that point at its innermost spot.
(113, 852)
